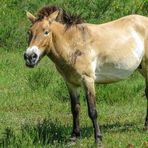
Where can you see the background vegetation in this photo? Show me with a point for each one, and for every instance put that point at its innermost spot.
(34, 104)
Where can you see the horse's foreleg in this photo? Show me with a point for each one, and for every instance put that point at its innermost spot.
(75, 108)
(91, 102)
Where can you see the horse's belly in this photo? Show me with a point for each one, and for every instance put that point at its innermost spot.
(109, 73)
(122, 64)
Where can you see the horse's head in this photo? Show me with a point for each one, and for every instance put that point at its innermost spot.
(40, 32)
(40, 38)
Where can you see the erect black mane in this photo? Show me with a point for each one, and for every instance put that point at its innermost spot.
(67, 19)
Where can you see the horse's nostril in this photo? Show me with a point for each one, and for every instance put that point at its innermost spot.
(25, 56)
(34, 55)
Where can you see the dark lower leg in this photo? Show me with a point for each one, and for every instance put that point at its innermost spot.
(146, 119)
(93, 116)
(75, 108)
(76, 124)
(97, 133)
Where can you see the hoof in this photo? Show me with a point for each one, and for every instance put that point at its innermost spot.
(98, 141)
(71, 144)
(73, 139)
(99, 145)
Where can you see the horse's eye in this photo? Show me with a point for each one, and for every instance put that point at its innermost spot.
(46, 33)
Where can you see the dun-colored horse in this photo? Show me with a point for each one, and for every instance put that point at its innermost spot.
(87, 53)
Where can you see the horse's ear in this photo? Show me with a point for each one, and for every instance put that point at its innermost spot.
(53, 16)
(30, 16)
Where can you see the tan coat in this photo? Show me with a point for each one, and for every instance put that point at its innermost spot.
(108, 52)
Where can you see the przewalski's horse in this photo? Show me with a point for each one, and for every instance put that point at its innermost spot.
(87, 53)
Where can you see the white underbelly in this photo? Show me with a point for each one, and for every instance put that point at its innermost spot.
(117, 70)
(109, 73)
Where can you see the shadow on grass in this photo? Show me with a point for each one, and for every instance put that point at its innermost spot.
(55, 133)
(120, 127)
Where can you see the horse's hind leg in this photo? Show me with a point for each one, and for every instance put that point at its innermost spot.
(145, 74)
(146, 93)
(146, 119)
(144, 71)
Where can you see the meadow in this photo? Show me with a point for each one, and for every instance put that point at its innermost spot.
(34, 103)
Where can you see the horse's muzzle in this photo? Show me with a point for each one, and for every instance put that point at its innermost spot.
(31, 59)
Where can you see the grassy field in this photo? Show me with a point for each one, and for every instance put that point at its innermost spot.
(34, 103)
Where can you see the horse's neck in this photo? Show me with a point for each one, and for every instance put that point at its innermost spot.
(62, 41)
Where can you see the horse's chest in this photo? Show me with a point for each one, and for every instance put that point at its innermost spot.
(70, 74)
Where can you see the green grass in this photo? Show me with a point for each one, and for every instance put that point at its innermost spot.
(35, 108)
(34, 103)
